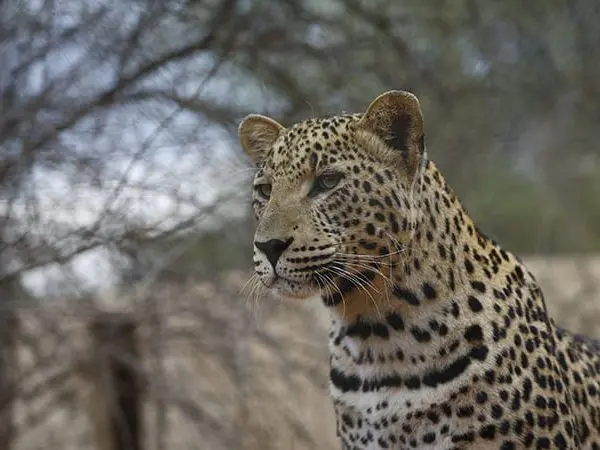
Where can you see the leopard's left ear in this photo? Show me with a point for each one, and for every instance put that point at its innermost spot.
(395, 118)
(257, 135)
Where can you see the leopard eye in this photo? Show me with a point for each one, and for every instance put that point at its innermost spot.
(264, 190)
(325, 182)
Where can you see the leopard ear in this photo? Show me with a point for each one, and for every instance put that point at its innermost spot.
(257, 134)
(395, 118)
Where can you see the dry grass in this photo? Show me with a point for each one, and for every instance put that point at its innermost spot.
(221, 374)
(572, 289)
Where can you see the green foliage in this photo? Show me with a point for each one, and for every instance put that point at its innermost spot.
(522, 214)
(507, 206)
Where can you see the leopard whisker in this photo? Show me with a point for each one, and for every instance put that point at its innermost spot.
(359, 281)
(330, 283)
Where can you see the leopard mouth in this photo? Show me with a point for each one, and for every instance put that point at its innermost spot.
(316, 280)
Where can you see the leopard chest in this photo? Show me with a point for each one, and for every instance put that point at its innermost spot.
(379, 405)
(387, 425)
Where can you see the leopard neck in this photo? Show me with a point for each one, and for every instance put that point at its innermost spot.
(447, 265)
(426, 323)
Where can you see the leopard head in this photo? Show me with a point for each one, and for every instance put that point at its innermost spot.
(332, 196)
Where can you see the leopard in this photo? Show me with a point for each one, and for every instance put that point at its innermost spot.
(439, 338)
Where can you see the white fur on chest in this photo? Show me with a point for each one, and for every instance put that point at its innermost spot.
(401, 400)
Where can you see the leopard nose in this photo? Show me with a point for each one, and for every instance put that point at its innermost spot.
(273, 249)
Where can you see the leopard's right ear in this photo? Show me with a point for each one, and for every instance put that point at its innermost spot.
(257, 135)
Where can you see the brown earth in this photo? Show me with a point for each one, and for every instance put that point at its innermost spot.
(232, 375)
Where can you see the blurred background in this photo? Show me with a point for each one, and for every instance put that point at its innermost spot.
(125, 229)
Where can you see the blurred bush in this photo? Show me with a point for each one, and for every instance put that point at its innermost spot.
(118, 124)
(120, 168)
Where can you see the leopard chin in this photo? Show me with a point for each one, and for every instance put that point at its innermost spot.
(288, 289)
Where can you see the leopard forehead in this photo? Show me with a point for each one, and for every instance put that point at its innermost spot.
(314, 143)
